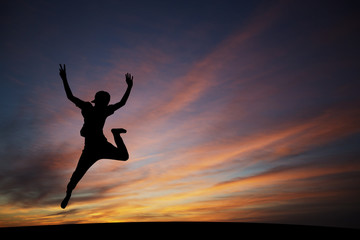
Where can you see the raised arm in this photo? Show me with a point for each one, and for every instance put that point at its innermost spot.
(129, 81)
(69, 95)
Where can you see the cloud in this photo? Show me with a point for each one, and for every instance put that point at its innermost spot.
(31, 180)
(178, 185)
(241, 133)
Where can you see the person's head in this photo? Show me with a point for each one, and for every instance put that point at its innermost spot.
(102, 98)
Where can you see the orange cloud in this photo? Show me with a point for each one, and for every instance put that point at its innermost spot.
(174, 185)
(188, 159)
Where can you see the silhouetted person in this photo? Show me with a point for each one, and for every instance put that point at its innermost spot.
(96, 145)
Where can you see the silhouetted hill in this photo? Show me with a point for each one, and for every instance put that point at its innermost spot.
(172, 230)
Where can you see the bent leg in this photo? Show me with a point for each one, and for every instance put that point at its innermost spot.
(117, 153)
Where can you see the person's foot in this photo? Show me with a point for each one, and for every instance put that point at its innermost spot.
(66, 200)
(118, 130)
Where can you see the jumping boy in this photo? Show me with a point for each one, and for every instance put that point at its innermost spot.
(96, 145)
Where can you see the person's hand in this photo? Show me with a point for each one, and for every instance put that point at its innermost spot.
(62, 71)
(129, 79)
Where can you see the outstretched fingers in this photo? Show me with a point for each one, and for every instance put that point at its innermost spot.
(128, 76)
(62, 68)
(62, 71)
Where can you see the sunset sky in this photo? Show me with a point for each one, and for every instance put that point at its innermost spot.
(241, 111)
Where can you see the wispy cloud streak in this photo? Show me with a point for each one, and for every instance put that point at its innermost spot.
(262, 126)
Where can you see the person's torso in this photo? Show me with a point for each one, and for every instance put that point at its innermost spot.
(94, 121)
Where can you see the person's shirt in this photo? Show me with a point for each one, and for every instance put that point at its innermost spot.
(94, 118)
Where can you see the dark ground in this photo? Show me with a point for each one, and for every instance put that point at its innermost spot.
(186, 230)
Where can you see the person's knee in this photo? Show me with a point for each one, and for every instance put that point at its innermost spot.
(126, 156)
(122, 156)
